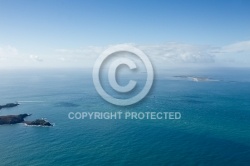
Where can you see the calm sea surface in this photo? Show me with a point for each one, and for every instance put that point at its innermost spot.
(214, 128)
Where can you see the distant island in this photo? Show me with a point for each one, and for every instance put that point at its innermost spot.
(9, 105)
(197, 79)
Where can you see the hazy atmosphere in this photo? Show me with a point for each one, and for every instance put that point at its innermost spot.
(73, 34)
(125, 82)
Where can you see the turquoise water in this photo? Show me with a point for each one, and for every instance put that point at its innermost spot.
(214, 128)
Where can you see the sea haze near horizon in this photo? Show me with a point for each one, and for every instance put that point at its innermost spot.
(214, 128)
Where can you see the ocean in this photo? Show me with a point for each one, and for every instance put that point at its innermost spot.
(214, 128)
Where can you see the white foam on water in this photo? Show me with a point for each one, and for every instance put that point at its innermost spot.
(30, 101)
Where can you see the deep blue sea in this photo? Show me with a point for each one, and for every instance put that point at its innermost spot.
(214, 128)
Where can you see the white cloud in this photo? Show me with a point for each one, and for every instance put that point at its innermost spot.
(236, 54)
(174, 54)
(168, 53)
(82, 57)
(162, 56)
(90, 50)
(243, 46)
(179, 53)
(36, 58)
(8, 51)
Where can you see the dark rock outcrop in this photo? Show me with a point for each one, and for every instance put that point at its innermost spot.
(38, 122)
(9, 105)
(12, 119)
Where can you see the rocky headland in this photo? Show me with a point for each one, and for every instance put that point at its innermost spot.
(9, 105)
(12, 119)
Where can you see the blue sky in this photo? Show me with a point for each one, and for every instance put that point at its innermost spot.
(40, 28)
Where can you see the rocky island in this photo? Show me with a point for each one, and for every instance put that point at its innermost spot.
(9, 105)
(14, 119)
(38, 122)
(197, 79)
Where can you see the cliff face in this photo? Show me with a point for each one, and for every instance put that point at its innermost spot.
(12, 119)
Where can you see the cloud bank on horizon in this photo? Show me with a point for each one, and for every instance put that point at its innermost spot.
(49, 34)
(163, 56)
